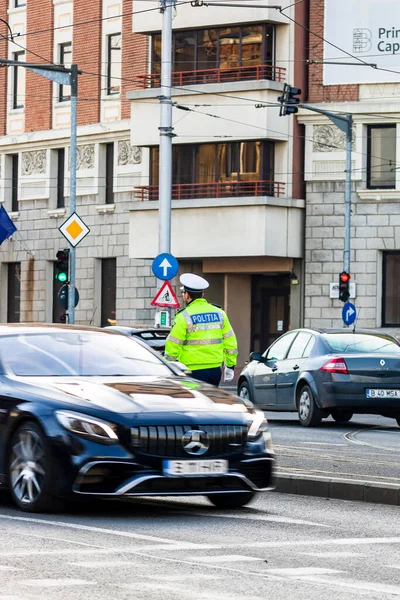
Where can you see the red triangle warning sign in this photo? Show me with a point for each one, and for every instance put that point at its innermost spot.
(165, 297)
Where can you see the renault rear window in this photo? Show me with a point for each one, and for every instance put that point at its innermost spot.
(361, 343)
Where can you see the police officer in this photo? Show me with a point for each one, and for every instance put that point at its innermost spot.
(202, 337)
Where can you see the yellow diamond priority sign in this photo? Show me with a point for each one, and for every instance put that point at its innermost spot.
(74, 229)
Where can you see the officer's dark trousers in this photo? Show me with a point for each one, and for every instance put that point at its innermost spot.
(212, 376)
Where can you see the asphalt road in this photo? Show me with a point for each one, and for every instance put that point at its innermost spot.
(282, 547)
(365, 448)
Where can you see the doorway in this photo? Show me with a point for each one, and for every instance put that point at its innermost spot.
(270, 310)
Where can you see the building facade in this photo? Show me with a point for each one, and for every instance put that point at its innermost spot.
(355, 70)
(237, 195)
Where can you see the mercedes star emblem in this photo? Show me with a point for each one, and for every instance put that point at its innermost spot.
(195, 442)
(382, 363)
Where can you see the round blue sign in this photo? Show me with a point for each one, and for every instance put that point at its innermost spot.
(349, 313)
(165, 266)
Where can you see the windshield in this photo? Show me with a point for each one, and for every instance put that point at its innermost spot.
(74, 353)
(360, 342)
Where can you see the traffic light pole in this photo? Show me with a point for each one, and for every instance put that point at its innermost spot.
(345, 123)
(72, 189)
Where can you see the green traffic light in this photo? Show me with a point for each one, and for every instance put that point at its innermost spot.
(62, 277)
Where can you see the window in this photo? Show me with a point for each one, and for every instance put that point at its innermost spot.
(108, 291)
(228, 162)
(299, 345)
(60, 178)
(114, 64)
(65, 58)
(357, 343)
(279, 350)
(18, 3)
(18, 100)
(14, 182)
(391, 289)
(381, 160)
(13, 292)
(223, 48)
(110, 173)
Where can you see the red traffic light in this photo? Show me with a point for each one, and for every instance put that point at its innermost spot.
(63, 318)
(62, 255)
(345, 277)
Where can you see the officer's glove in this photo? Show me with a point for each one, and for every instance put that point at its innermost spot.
(229, 373)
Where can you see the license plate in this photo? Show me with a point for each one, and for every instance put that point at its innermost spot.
(383, 393)
(195, 468)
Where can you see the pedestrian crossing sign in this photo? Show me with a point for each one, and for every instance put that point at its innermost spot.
(74, 229)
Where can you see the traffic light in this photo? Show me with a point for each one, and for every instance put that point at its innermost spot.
(288, 100)
(63, 318)
(344, 286)
(62, 266)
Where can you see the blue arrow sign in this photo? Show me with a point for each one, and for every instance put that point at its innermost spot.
(165, 266)
(349, 313)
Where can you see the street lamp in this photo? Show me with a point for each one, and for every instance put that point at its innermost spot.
(62, 76)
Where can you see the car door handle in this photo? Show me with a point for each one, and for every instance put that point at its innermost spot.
(274, 369)
(296, 367)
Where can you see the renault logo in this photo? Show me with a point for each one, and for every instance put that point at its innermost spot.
(195, 442)
(382, 363)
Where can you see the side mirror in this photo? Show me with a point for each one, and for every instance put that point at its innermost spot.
(256, 356)
(180, 367)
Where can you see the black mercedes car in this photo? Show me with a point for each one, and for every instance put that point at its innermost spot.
(88, 412)
(323, 372)
(155, 337)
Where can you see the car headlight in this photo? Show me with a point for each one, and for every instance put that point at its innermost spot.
(89, 427)
(258, 428)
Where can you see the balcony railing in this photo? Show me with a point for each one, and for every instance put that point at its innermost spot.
(189, 191)
(182, 78)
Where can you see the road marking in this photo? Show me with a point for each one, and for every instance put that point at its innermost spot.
(320, 444)
(226, 558)
(377, 588)
(333, 475)
(5, 568)
(351, 437)
(103, 531)
(55, 582)
(302, 571)
(96, 564)
(328, 542)
(393, 566)
(334, 554)
(272, 519)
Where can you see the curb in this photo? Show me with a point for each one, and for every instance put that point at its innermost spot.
(340, 489)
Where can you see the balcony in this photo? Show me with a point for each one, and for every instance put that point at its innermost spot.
(233, 74)
(217, 189)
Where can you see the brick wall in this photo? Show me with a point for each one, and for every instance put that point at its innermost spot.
(38, 99)
(134, 56)
(317, 91)
(3, 72)
(86, 52)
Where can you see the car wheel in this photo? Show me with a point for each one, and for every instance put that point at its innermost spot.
(29, 469)
(310, 414)
(231, 500)
(244, 391)
(342, 416)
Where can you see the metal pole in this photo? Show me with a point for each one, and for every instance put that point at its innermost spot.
(72, 189)
(166, 130)
(346, 253)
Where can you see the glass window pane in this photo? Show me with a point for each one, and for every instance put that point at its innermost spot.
(309, 347)
(252, 45)
(228, 161)
(19, 82)
(281, 346)
(14, 292)
(269, 44)
(299, 345)
(250, 161)
(65, 58)
(391, 292)
(207, 49)
(154, 165)
(382, 157)
(114, 66)
(229, 39)
(156, 41)
(205, 163)
(356, 343)
(184, 51)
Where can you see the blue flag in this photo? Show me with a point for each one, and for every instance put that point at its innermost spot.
(7, 227)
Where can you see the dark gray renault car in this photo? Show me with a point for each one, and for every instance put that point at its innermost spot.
(323, 372)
